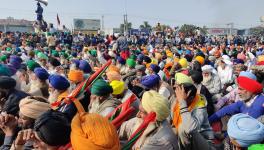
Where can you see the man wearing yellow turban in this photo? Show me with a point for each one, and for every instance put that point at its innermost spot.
(183, 62)
(157, 134)
(200, 59)
(121, 92)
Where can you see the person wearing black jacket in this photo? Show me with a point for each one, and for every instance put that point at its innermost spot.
(9, 96)
(197, 78)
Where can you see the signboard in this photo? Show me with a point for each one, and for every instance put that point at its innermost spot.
(217, 31)
(134, 32)
(139, 32)
(86, 24)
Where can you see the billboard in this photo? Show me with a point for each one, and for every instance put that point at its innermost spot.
(217, 31)
(139, 32)
(86, 24)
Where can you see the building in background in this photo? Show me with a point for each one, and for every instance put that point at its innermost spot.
(111, 31)
(87, 26)
(222, 31)
(14, 25)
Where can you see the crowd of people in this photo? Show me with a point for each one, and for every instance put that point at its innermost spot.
(160, 91)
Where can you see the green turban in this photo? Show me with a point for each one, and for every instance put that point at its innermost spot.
(55, 53)
(256, 147)
(101, 88)
(65, 55)
(36, 51)
(93, 52)
(42, 56)
(28, 43)
(31, 64)
(137, 51)
(4, 71)
(3, 58)
(8, 49)
(134, 57)
(131, 63)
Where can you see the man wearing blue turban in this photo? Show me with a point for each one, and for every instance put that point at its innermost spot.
(245, 130)
(58, 90)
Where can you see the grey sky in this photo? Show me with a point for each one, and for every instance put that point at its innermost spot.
(244, 13)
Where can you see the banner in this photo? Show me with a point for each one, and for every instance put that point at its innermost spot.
(87, 24)
(45, 2)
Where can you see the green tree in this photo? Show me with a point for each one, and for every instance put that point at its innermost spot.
(188, 29)
(145, 25)
(204, 30)
(257, 31)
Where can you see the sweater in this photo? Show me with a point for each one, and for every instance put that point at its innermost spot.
(255, 110)
(192, 122)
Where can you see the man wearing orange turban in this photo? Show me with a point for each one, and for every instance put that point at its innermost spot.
(113, 75)
(113, 68)
(75, 77)
(92, 131)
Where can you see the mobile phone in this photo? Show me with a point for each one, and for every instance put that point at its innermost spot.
(172, 82)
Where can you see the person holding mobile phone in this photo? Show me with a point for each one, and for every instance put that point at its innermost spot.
(189, 115)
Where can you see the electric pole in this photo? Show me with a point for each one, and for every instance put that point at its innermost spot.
(102, 27)
(231, 27)
(125, 24)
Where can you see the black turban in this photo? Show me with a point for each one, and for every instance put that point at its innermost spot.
(53, 128)
(7, 82)
(196, 76)
(54, 62)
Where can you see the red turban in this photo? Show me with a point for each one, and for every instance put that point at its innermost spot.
(249, 84)
(260, 63)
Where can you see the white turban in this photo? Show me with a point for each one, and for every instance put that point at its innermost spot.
(207, 68)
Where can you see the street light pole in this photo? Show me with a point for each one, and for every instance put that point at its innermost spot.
(125, 20)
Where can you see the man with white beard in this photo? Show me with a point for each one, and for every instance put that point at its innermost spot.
(225, 72)
(101, 101)
(38, 84)
(75, 77)
(42, 59)
(23, 80)
(211, 81)
(23, 75)
(58, 90)
(53, 64)
(251, 99)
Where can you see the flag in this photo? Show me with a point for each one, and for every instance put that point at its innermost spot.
(45, 2)
(58, 19)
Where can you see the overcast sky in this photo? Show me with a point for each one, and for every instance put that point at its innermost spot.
(243, 13)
